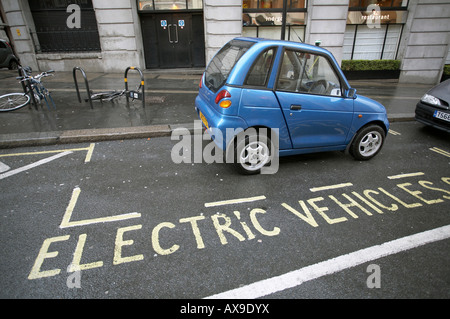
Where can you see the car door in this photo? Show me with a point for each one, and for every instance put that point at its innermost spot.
(309, 92)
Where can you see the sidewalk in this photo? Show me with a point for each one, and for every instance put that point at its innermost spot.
(170, 97)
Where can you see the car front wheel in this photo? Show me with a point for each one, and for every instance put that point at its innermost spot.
(367, 143)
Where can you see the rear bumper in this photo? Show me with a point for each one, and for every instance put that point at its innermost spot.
(221, 128)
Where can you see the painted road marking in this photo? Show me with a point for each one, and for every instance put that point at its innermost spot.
(439, 151)
(30, 166)
(89, 153)
(323, 188)
(4, 167)
(235, 201)
(66, 222)
(331, 266)
(394, 132)
(406, 175)
(90, 150)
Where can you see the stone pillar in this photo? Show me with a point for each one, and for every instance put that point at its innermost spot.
(223, 22)
(326, 22)
(120, 35)
(17, 13)
(427, 41)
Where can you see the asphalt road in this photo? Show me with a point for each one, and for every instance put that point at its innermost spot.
(120, 220)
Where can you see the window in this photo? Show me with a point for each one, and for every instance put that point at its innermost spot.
(272, 4)
(260, 71)
(264, 19)
(374, 28)
(381, 3)
(223, 62)
(362, 43)
(304, 72)
(54, 35)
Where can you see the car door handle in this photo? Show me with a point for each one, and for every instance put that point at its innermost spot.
(295, 107)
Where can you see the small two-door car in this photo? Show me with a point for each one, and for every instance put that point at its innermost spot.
(294, 93)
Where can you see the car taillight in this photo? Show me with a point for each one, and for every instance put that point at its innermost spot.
(222, 95)
(200, 85)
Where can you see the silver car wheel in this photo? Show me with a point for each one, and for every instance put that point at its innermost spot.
(370, 143)
(254, 156)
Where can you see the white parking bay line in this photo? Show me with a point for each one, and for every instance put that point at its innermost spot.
(331, 266)
(32, 165)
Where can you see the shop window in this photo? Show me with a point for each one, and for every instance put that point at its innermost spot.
(273, 4)
(374, 28)
(53, 32)
(362, 43)
(384, 4)
(264, 19)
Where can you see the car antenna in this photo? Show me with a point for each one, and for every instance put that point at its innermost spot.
(297, 35)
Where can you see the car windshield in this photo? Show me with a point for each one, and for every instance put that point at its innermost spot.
(221, 65)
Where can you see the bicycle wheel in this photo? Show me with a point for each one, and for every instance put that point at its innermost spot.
(13, 101)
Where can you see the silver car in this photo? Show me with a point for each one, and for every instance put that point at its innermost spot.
(7, 57)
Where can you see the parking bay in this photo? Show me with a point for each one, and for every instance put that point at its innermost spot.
(134, 224)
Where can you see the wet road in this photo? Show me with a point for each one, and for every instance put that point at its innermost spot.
(121, 220)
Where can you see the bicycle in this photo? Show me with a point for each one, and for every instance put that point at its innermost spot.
(109, 96)
(33, 90)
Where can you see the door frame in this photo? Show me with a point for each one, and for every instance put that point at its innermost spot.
(151, 38)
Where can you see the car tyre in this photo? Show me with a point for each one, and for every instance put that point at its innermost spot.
(252, 152)
(367, 143)
(13, 65)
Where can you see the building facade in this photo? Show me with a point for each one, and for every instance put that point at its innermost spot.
(110, 35)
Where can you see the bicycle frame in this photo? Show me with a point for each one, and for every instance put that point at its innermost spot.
(33, 86)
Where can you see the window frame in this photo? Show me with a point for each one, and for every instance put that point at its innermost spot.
(270, 70)
(342, 83)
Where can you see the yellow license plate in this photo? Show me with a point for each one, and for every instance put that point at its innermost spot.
(203, 118)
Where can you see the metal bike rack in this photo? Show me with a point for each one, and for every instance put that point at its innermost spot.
(86, 83)
(26, 84)
(135, 94)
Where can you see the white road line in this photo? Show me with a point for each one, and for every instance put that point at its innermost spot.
(235, 201)
(30, 166)
(331, 266)
(4, 167)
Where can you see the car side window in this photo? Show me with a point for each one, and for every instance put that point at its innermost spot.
(305, 72)
(260, 72)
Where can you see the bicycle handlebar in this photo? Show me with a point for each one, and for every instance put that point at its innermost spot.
(38, 76)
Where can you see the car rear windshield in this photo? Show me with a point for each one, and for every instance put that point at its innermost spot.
(221, 65)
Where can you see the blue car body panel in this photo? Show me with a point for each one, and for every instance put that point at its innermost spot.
(320, 123)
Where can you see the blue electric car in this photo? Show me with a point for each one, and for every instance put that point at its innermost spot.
(288, 92)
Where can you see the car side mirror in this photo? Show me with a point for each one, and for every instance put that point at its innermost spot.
(351, 93)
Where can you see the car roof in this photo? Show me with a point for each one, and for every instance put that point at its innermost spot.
(237, 75)
(292, 44)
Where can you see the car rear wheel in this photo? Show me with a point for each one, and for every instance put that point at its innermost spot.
(252, 152)
(367, 143)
